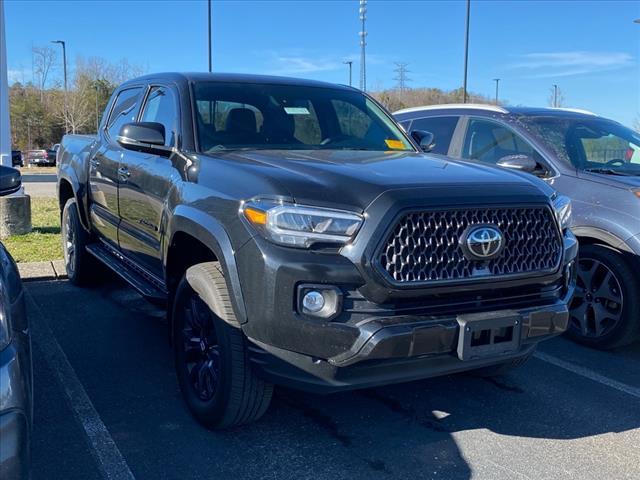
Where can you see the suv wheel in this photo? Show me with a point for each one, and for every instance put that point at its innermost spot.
(605, 311)
(211, 358)
(81, 267)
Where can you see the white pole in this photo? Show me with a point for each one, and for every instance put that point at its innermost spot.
(5, 129)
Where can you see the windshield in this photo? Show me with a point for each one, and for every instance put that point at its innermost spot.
(593, 145)
(258, 116)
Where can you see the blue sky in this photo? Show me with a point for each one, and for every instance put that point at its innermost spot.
(590, 49)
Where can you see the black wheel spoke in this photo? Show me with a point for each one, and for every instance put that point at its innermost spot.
(201, 353)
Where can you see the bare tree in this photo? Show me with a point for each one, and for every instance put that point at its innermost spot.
(556, 97)
(43, 59)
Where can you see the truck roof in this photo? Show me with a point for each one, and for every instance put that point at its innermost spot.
(235, 78)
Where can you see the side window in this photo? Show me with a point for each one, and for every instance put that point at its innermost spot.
(160, 107)
(124, 110)
(442, 129)
(488, 142)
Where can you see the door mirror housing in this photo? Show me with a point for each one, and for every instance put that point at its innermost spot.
(144, 137)
(424, 139)
(523, 163)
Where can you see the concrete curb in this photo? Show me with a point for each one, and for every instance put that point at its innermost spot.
(50, 270)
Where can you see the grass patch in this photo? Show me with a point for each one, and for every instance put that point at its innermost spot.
(43, 243)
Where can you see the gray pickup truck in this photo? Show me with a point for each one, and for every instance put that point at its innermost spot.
(299, 237)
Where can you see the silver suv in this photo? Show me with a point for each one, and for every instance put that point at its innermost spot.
(593, 160)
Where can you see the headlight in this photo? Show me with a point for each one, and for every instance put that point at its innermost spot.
(5, 330)
(562, 208)
(301, 226)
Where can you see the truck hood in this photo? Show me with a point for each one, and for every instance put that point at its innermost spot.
(355, 178)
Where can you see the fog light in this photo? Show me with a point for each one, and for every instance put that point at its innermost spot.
(313, 301)
(319, 301)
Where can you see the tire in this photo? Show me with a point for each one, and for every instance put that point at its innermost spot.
(82, 268)
(211, 358)
(503, 368)
(605, 310)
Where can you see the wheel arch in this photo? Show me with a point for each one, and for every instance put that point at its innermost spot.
(195, 237)
(69, 187)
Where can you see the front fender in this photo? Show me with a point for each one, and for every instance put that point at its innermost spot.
(211, 233)
(608, 238)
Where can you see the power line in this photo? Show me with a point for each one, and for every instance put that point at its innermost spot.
(401, 77)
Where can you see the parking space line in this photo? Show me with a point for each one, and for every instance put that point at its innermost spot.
(585, 372)
(111, 463)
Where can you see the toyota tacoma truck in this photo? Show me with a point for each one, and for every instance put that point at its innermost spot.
(299, 237)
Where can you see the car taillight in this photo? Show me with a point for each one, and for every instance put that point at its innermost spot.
(628, 155)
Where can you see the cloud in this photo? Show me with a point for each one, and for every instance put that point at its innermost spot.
(297, 64)
(564, 64)
(18, 75)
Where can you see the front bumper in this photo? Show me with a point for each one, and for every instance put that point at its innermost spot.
(412, 335)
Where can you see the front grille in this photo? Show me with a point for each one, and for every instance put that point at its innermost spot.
(424, 246)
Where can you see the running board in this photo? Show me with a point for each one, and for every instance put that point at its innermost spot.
(144, 283)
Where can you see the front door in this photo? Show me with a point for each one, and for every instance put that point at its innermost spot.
(145, 186)
(104, 165)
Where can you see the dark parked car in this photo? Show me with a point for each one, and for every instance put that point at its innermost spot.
(16, 386)
(52, 154)
(594, 161)
(41, 158)
(299, 237)
(16, 158)
(10, 180)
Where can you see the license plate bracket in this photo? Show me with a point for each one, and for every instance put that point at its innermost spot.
(488, 334)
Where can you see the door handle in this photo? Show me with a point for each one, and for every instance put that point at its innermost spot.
(124, 173)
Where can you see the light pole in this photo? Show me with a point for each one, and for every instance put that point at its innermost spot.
(363, 44)
(97, 85)
(466, 52)
(209, 30)
(555, 96)
(64, 66)
(497, 80)
(350, 63)
(637, 20)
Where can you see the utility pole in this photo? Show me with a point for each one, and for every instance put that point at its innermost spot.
(209, 30)
(363, 44)
(401, 78)
(66, 92)
(497, 80)
(555, 95)
(350, 63)
(466, 52)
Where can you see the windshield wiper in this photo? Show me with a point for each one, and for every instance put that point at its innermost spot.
(608, 171)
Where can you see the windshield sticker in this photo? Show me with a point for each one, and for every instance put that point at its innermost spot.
(296, 110)
(394, 144)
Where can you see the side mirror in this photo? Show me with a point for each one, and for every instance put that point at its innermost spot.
(144, 137)
(424, 139)
(524, 163)
(10, 180)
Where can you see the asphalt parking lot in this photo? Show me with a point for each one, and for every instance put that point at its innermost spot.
(107, 405)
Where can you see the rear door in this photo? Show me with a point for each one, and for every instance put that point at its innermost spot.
(145, 184)
(104, 164)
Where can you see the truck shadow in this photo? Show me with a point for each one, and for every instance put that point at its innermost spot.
(437, 428)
